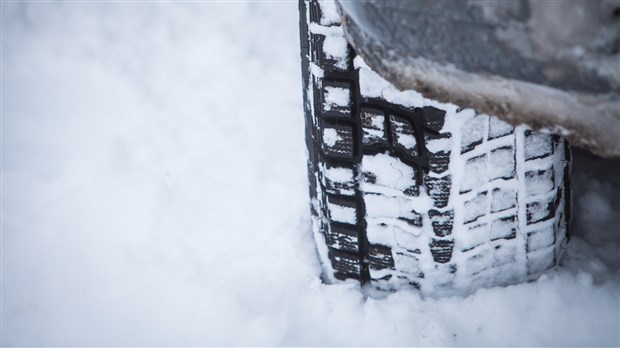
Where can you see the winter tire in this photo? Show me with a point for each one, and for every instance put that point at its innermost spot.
(409, 192)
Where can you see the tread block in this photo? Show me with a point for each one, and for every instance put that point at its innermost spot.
(448, 284)
(390, 215)
(502, 163)
(438, 189)
(479, 261)
(315, 11)
(475, 236)
(380, 257)
(503, 255)
(474, 174)
(503, 199)
(540, 210)
(403, 135)
(336, 99)
(475, 207)
(369, 177)
(439, 162)
(412, 190)
(567, 190)
(408, 263)
(373, 126)
(346, 265)
(504, 228)
(379, 279)
(435, 118)
(342, 208)
(441, 250)
(324, 53)
(438, 150)
(340, 181)
(539, 181)
(442, 222)
(541, 260)
(448, 270)
(385, 174)
(405, 280)
(342, 236)
(338, 140)
(559, 193)
(415, 219)
(498, 128)
(537, 145)
(326, 18)
(539, 239)
(473, 132)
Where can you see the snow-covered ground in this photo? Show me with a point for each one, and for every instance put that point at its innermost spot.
(154, 193)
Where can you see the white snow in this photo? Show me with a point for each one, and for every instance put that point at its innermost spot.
(339, 174)
(475, 173)
(438, 145)
(154, 193)
(377, 122)
(371, 84)
(474, 130)
(503, 199)
(408, 141)
(331, 137)
(316, 70)
(341, 213)
(335, 46)
(536, 143)
(502, 163)
(393, 176)
(336, 96)
(539, 182)
(329, 16)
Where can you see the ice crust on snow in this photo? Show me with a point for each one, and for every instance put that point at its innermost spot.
(113, 203)
(392, 175)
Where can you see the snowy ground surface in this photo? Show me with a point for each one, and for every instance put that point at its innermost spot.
(154, 193)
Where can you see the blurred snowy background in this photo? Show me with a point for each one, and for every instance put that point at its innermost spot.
(154, 193)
